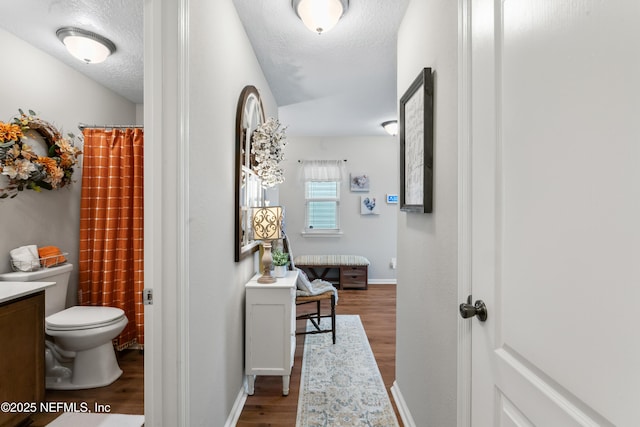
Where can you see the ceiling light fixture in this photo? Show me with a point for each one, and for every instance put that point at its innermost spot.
(320, 16)
(391, 127)
(87, 46)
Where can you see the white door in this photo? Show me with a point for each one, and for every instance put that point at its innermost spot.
(555, 212)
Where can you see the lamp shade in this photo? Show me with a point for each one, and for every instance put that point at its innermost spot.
(267, 223)
(320, 16)
(86, 46)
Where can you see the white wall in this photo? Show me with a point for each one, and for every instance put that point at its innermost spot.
(221, 64)
(139, 114)
(62, 96)
(426, 343)
(372, 236)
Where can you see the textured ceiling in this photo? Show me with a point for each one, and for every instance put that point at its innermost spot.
(339, 83)
(121, 21)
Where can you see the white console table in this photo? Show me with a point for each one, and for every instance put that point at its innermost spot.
(270, 335)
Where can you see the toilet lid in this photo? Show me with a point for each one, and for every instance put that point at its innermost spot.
(83, 317)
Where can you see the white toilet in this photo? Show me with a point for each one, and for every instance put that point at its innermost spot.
(79, 353)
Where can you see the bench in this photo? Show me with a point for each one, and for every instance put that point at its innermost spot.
(352, 269)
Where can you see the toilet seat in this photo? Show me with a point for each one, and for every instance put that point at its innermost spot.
(83, 317)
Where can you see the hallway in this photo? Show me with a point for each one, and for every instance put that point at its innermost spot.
(377, 309)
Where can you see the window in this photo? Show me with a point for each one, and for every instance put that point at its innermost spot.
(322, 203)
(322, 180)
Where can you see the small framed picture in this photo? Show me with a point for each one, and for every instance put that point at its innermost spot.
(359, 182)
(392, 199)
(368, 205)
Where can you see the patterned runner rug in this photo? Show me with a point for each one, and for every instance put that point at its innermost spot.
(341, 384)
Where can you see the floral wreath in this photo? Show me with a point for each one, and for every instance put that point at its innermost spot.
(26, 169)
(268, 141)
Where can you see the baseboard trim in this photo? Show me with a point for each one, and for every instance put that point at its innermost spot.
(238, 405)
(382, 281)
(407, 419)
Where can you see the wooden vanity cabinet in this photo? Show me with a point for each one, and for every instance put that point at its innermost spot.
(21, 356)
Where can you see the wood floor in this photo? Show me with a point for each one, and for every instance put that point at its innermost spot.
(267, 407)
(125, 396)
(377, 309)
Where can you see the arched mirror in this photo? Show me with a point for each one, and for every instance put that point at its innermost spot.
(249, 192)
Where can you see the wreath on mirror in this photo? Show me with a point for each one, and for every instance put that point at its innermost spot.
(267, 145)
(24, 166)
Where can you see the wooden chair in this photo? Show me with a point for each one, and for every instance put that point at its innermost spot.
(317, 315)
(314, 317)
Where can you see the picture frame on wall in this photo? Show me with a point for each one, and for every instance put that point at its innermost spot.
(359, 182)
(369, 205)
(416, 145)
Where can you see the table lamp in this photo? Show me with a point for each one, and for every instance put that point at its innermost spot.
(266, 227)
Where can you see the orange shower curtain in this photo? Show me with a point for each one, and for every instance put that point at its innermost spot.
(111, 270)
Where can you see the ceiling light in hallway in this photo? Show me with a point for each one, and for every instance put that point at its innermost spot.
(320, 16)
(391, 127)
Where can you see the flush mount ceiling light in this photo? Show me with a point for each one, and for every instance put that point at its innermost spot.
(87, 46)
(391, 127)
(320, 16)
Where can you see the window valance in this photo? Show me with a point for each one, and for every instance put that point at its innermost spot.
(322, 170)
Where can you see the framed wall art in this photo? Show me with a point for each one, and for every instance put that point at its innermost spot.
(369, 205)
(416, 145)
(359, 182)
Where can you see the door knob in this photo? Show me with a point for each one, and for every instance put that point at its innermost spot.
(477, 309)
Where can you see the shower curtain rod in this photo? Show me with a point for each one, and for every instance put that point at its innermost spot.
(82, 126)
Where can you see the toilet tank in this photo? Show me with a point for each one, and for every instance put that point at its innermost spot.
(55, 297)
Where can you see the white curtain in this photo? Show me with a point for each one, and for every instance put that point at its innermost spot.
(321, 170)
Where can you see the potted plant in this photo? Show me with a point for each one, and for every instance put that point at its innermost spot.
(280, 262)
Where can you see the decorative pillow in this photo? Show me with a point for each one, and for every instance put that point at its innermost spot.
(303, 283)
